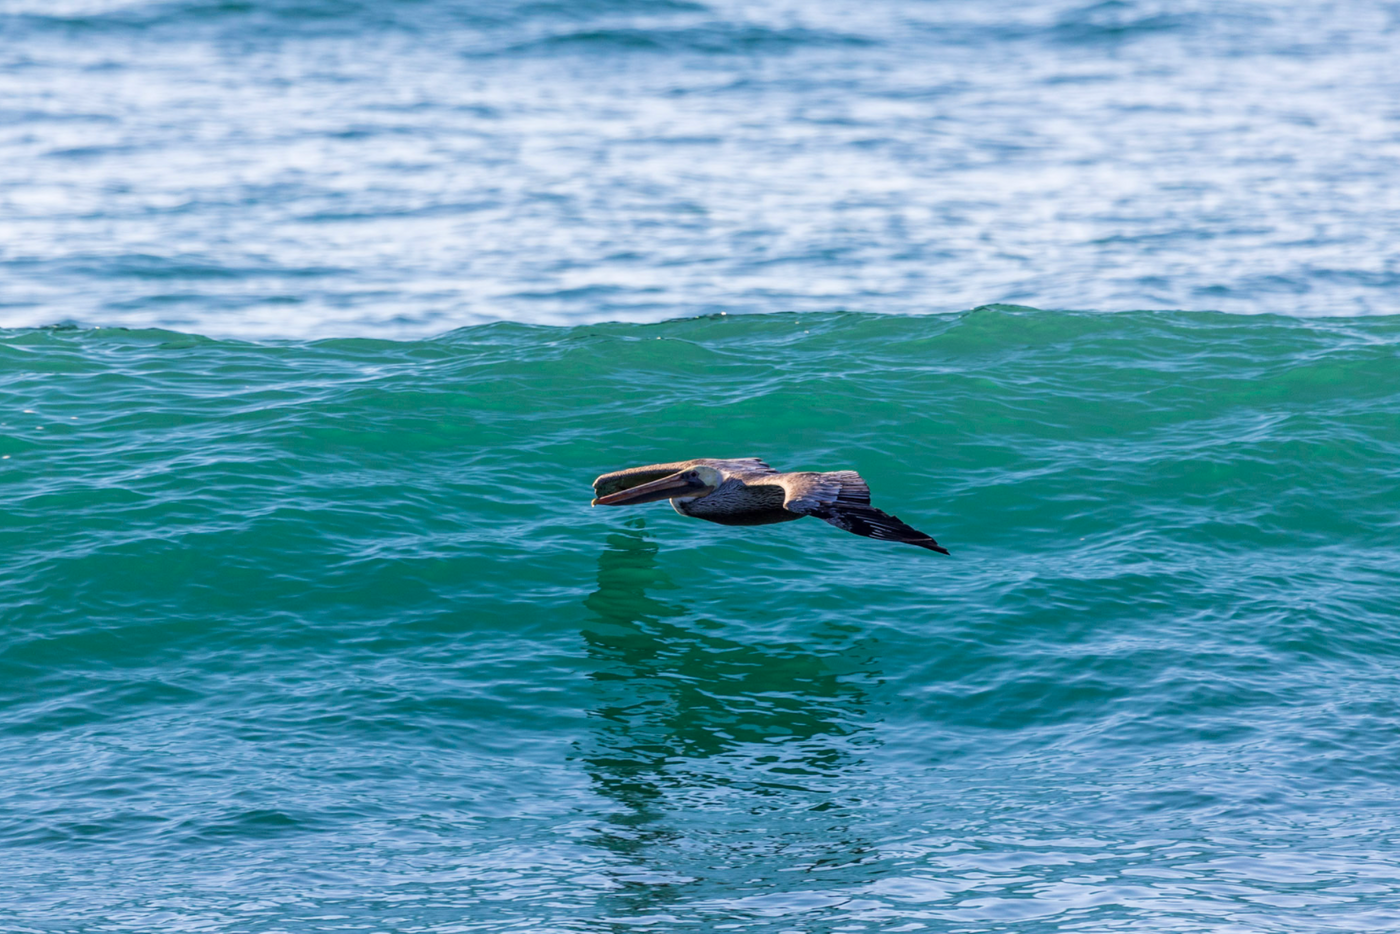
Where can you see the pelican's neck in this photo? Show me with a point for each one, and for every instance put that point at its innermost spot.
(717, 482)
(680, 503)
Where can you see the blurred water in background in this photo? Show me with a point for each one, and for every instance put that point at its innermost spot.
(331, 167)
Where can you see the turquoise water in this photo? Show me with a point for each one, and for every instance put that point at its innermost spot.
(317, 318)
(324, 636)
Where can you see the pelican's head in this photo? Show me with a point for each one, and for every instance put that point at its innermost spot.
(690, 483)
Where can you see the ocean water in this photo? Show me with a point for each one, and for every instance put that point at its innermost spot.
(333, 168)
(318, 317)
(325, 636)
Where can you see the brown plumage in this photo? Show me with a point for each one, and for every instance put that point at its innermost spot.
(746, 491)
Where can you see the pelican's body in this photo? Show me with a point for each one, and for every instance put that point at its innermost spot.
(746, 491)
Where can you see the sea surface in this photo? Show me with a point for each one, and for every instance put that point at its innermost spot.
(318, 317)
(324, 636)
(329, 168)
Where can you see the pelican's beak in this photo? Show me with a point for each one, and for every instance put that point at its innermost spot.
(677, 484)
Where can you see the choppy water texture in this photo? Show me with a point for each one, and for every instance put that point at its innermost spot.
(325, 636)
(319, 634)
(354, 167)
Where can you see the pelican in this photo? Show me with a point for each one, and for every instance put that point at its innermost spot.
(746, 491)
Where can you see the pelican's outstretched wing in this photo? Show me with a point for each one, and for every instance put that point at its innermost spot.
(748, 465)
(841, 498)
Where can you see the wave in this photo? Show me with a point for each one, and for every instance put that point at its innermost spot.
(712, 39)
(296, 630)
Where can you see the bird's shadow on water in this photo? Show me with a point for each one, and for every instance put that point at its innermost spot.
(730, 762)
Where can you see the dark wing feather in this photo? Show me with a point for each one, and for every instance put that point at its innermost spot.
(841, 498)
(872, 523)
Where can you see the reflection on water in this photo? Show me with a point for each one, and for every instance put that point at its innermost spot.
(729, 760)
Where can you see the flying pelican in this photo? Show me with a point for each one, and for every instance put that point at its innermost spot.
(746, 491)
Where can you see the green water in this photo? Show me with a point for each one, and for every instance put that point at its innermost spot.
(326, 637)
